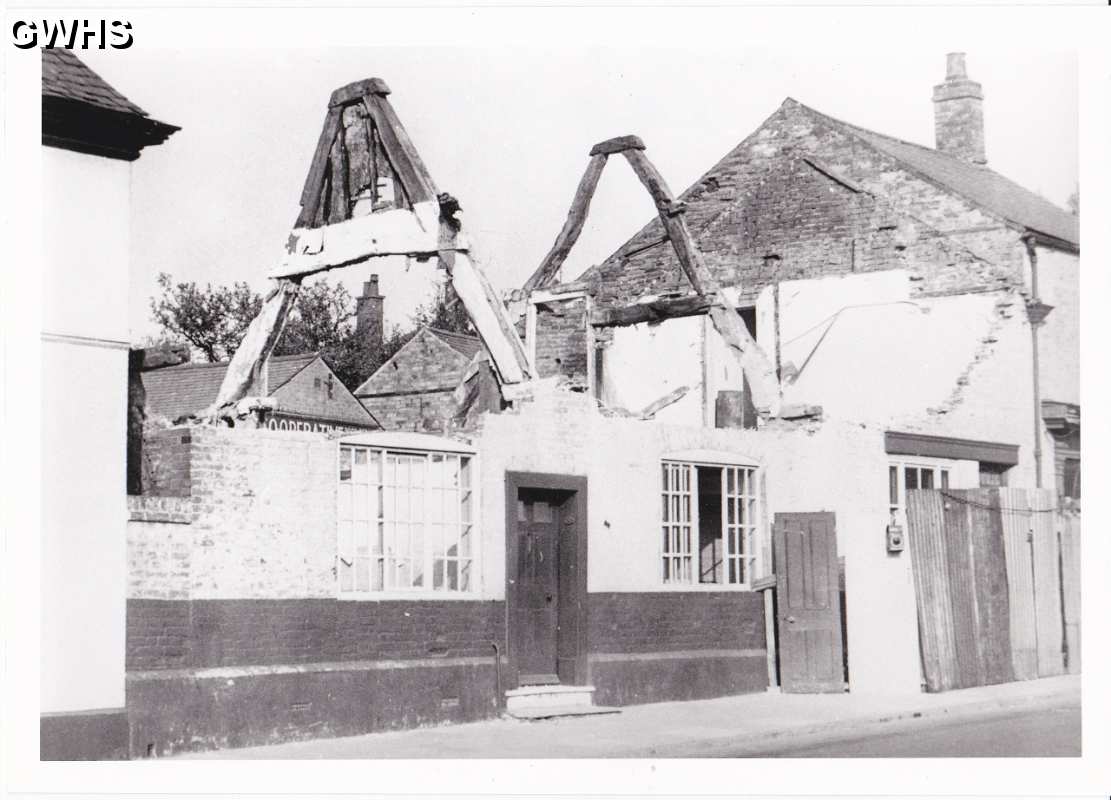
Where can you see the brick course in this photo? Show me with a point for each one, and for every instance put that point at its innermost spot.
(641, 622)
(230, 633)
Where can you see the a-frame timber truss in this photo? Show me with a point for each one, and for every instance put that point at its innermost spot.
(756, 367)
(368, 195)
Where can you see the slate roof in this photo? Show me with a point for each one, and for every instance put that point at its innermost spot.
(462, 343)
(65, 75)
(175, 392)
(979, 184)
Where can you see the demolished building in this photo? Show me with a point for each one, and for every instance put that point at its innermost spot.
(689, 479)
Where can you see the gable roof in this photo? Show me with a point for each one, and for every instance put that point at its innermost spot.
(464, 344)
(976, 183)
(175, 392)
(83, 112)
(438, 368)
(729, 180)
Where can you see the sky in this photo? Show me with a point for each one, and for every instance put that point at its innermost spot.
(507, 130)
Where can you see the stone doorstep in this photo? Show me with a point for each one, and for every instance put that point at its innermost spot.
(548, 696)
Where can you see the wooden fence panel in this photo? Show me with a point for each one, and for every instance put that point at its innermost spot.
(1069, 525)
(925, 534)
(1047, 583)
(992, 603)
(962, 587)
(1016, 522)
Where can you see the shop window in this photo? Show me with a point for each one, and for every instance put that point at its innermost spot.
(406, 522)
(709, 527)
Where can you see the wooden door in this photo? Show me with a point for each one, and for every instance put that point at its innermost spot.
(808, 603)
(538, 527)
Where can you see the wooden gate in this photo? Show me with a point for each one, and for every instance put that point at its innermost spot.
(991, 568)
(808, 603)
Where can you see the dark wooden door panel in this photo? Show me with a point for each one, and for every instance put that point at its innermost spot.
(538, 587)
(808, 603)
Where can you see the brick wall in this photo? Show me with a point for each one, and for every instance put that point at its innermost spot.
(563, 336)
(425, 363)
(226, 633)
(166, 461)
(643, 622)
(316, 392)
(770, 215)
(413, 411)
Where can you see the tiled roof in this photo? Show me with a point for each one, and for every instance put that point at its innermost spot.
(175, 392)
(65, 75)
(979, 184)
(461, 343)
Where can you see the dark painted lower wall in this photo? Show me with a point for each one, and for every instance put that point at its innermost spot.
(206, 674)
(83, 735)
(691, 676)
(177, 711)
(648, 647)
(169, 634)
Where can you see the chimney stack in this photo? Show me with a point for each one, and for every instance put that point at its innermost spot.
(959, 113)
(368, 314)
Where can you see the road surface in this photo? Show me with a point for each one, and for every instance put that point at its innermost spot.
(1039, 732)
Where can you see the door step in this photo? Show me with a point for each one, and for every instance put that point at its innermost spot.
(546, 701)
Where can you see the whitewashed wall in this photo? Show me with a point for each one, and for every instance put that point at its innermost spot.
(833, 467)
(84, 405)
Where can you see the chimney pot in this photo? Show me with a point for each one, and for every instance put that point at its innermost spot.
(959, 113)
(954, 67)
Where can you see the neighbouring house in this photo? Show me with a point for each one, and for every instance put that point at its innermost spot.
(415, 389)
(583, 543)
(91, 135)
(306, 392)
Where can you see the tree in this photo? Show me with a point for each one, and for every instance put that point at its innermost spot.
(1074, 202)
(213, 321)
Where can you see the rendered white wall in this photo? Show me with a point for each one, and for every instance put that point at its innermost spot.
(836, 467)
(86, 230)
(946, 366)
(84, 526)
(647, 361)
(1059, 337)
(86, 240)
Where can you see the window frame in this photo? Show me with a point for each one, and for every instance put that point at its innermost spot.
(942, 469)
(425, 592)
(756, 529)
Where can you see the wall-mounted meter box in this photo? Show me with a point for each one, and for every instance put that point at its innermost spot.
(896, 540)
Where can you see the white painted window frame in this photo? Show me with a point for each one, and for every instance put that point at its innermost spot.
(942, 469)
(749, 530)
(427, 557)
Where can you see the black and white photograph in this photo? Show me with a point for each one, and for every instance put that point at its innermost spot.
(441, 384)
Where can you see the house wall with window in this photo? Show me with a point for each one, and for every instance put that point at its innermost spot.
(239, 630)
(626, 582)
(263, 604)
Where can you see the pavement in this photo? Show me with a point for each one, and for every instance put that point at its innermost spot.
(740, 725)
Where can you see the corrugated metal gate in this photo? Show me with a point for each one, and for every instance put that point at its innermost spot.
(997, 578)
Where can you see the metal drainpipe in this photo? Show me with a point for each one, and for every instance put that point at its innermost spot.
(1033, 254)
